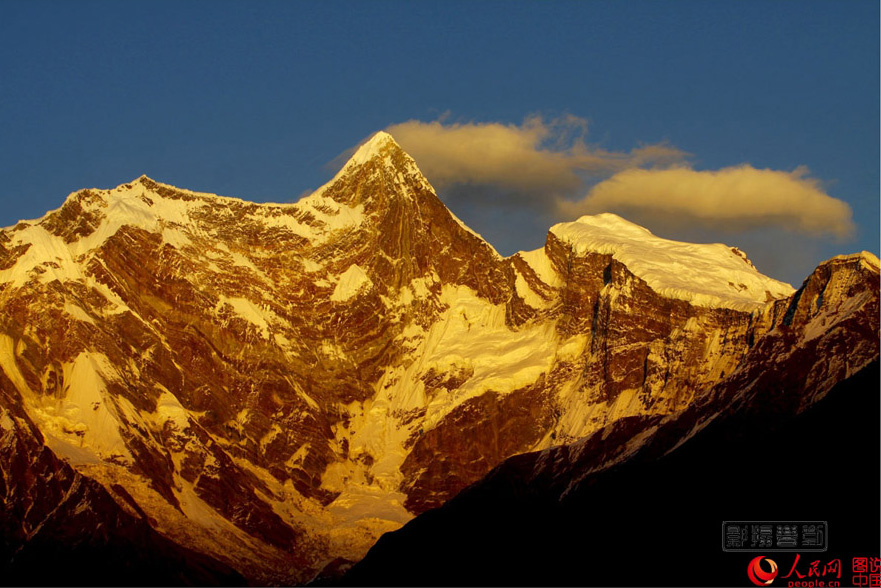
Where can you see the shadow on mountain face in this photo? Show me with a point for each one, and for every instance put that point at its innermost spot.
(129, 555)
(659, 522)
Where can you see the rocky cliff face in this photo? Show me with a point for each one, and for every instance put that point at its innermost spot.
(622, 505)
(274, 386)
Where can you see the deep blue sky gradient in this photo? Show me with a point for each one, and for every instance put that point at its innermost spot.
(253, 99)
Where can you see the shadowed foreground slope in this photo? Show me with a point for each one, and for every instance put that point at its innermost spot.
(656, 522)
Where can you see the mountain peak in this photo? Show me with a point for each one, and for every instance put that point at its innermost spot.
(711, 274)
(380, 138)
(378, 144)
(378, 159)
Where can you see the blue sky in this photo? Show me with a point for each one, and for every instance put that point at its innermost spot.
(256, 99)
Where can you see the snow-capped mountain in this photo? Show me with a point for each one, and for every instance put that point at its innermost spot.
(272, 386)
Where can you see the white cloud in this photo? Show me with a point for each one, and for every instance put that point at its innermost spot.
(733, 199)
(538, 157)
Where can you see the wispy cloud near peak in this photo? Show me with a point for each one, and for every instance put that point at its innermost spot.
(543, 157)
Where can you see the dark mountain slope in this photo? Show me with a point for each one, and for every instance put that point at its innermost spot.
(656, 522)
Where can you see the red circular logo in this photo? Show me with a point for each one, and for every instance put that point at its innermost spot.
(759, 576)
